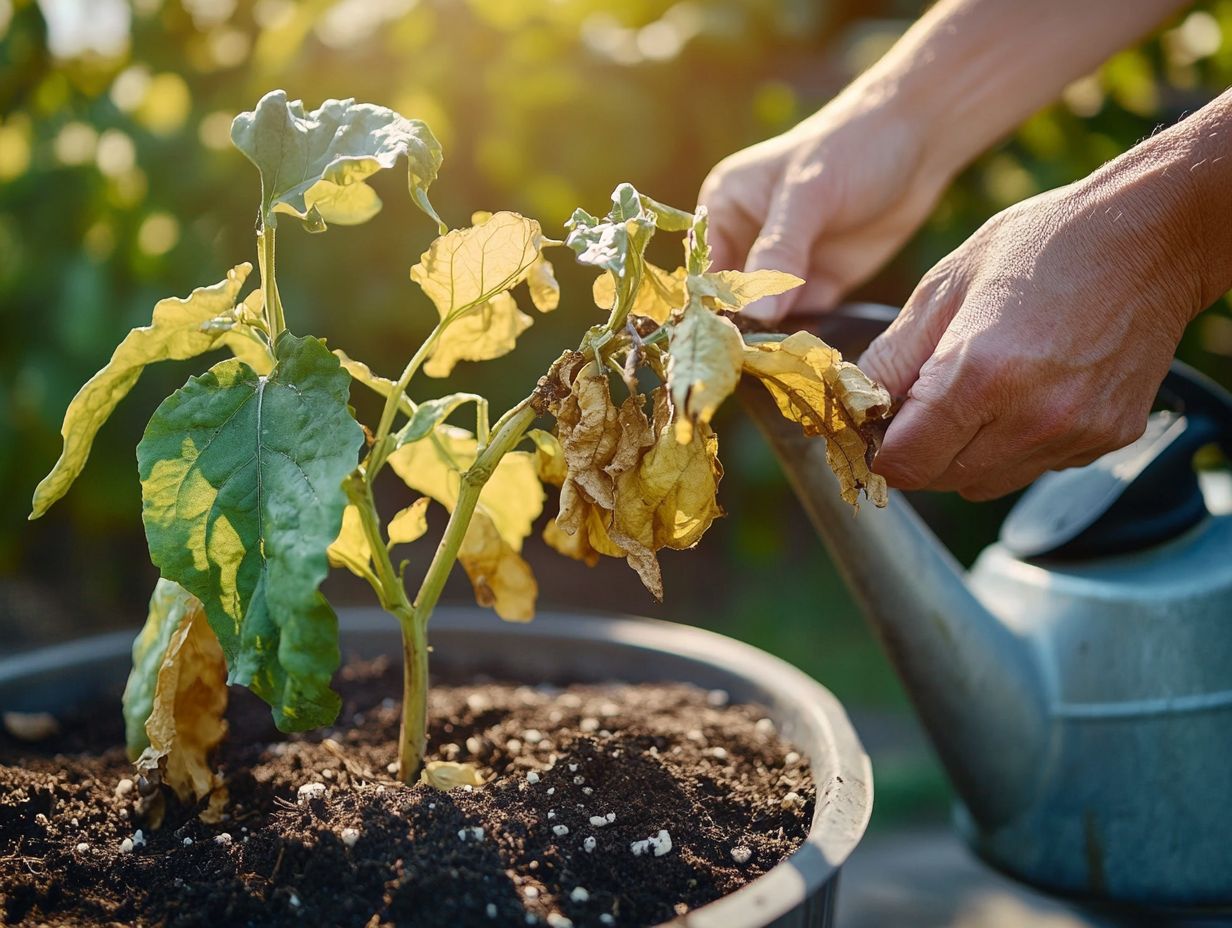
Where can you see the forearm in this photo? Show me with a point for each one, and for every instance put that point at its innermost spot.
(969, 71)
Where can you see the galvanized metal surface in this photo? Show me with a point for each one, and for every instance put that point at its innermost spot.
(559, 648)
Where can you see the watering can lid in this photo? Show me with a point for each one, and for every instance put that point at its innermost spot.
(1132, 499)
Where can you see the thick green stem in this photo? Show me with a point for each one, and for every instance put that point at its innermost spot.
(269, 284)
(413, 742)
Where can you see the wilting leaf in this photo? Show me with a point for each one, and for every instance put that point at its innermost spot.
(669, 499)
(351, 549)
(510, 502)
(658, 295)
(431, 413)
(176, 697)
(314, 164)
(703, 367)
(448, 774)
(410, 523)
(467, 275)
(549, 457)
(361, 373)
(488, 331)
(501, 578)
(241, 481)
(180, 329)
(544, 289)
(812, 384)
(733, 290)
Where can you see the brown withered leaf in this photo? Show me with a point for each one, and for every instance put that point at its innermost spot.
(186, 723)
(812, 384)
(669, 499)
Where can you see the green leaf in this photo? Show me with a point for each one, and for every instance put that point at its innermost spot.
(180, 329)
(314, 165)
(169, 604)
(241, 480)
(704, 366)
(608, 243)
(428, 415)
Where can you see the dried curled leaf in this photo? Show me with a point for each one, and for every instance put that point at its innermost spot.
(659, 294)
(448, 774)
(467, 274)
(812, 384)
(704, 366)
(669, 499)
(176, 697)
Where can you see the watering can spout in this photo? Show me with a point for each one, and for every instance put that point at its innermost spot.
(974, 682)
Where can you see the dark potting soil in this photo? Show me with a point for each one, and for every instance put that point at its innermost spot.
(575, 777)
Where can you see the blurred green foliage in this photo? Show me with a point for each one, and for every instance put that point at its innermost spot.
(118, 186)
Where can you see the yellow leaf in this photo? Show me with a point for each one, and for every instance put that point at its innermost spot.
(186, 722)
(703, 367)
(812, 384)
(669, 499)
(361, 373)
(351, 549)
(544, 289)
(180, 329)
(501, 578)
(658, 295)
(489, 330)
(733, 290)
(549, 457)
(447, 774)
(410, 523)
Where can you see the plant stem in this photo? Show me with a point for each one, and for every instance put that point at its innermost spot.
(269, 284)
(507, 432)
(380, 440)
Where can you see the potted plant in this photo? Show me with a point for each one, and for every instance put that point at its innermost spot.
(256, 478)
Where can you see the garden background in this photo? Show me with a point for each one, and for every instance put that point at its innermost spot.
(118, 186)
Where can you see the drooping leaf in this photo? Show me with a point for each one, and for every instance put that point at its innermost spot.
(176, 697)
(659, 294)
(669, 499)
(242, 495)
(543, 286)
(449, 774)
(314, 164)
(431, 413)
(409, 524)
(549, 457)
(361, 373)
(812, 384)
(180, 329)
(467, 274)
(703, 366)
(351, 548)
(501, 578)
(734, 290)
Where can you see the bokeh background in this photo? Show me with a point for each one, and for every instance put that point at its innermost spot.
(118, 186)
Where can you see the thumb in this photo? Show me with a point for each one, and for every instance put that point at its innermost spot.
(896, 355)
(793, 224)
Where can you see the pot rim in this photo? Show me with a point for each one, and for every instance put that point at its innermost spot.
(843, 804)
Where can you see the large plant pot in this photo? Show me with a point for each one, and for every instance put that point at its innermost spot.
(562, 648)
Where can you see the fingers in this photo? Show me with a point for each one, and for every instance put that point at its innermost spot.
(922, 442)
(793, 223)
(897, 355)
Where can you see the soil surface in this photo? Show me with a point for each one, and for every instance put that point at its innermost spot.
(575, 776)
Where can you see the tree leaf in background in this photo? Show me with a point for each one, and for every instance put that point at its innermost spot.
(703, 366)
(313, 164)
(176, 697)
(242, 495)
(467, 274)
(180, 329)
(812, 384)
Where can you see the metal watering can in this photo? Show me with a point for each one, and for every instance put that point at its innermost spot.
(1077, 681)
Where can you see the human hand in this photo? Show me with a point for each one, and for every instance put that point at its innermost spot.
(1040, 343)
(830, 201)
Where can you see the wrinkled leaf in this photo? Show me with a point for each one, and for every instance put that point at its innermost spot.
(314, 164)
(734, 290)
(703, 367)
(180, 329)
(812, 384)
(502, 580)
(242, 494)
(659, 293)
(616, 242)
(351, 549)
(549, 457)
(176, 697)
(669, 499)
(409, 524)
(488, 331)
(448, 774)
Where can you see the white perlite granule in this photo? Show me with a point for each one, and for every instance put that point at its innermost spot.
(660, 844)
(741, 854)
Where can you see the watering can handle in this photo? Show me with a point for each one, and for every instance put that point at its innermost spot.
(1131, 499)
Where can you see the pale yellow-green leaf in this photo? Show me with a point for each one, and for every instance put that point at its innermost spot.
(703, 367)
(658, 295)
(489, 330)
(733, 290)
(351, 549)
(361, 373)
(409, 524)
(180, 329)
(812, 384)
(543, 286)
(502, 580)
(448, 774)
